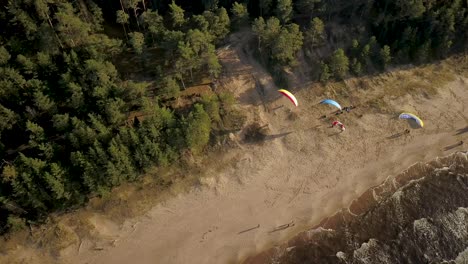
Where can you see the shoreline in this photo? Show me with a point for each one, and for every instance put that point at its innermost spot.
(406, 179)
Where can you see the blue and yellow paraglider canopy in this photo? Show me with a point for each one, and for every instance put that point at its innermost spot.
(413, 117)
(331, 102)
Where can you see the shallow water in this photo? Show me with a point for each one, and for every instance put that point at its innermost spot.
(419, 216)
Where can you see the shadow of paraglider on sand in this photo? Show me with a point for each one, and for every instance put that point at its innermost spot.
(271, 137)
(276, 108)
(397, 135)
(462, 131)
(449, 147)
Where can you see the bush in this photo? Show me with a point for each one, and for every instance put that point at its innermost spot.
(15, 223)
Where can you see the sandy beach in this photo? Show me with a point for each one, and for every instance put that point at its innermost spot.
(302, 172)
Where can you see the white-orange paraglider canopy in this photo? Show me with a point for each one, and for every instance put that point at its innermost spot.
(289, 95)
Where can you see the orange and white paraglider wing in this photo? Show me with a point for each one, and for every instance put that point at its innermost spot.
(289, 95)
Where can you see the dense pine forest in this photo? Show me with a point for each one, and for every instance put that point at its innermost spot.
(72, 125)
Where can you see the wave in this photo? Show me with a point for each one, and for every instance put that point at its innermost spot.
(418, 216)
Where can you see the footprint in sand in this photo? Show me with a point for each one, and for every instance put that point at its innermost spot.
(214, 228)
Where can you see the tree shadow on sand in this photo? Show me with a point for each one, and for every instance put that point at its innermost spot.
(255, 133)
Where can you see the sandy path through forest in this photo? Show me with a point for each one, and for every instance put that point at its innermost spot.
(303, 176)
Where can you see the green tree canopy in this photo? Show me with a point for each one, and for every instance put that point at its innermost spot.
(316, 34)
(177, 15)
(339, 64)
(169, 89)
(137, 41)
(279, 43)
(385, 56)
(240, 15)
(122, 18)
(198, 129)
(284, 10)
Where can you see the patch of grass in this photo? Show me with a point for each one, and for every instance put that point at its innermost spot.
(364, 84)
(337, 90)
(15, 223)
(427, 80)
(379, 105)
(55, 237)
(459, 64)
(81, 224)
(234, 119)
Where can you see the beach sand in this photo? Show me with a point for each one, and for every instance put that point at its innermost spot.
(301, 173)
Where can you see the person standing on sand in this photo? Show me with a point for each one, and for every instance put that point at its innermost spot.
(342, 127)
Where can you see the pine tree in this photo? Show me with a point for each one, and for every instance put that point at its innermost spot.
(55, 180)
(284, 10)
(72, 30)
(339, 64)
(61, 122)
(308, 6)
(265, 7)
(198, 129)
(287, 44)
(137, 41)
(218, 24)
(169, 89)
(356, 67)
(122, 18)
(214, 67)
(154, 23)
(132, 4)
(4, 55)
(211, 105)
(177, 15)
(258, 27)
(316, 34)
(7, 118)
(385, 56)
(325, 73)
(240, 15)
